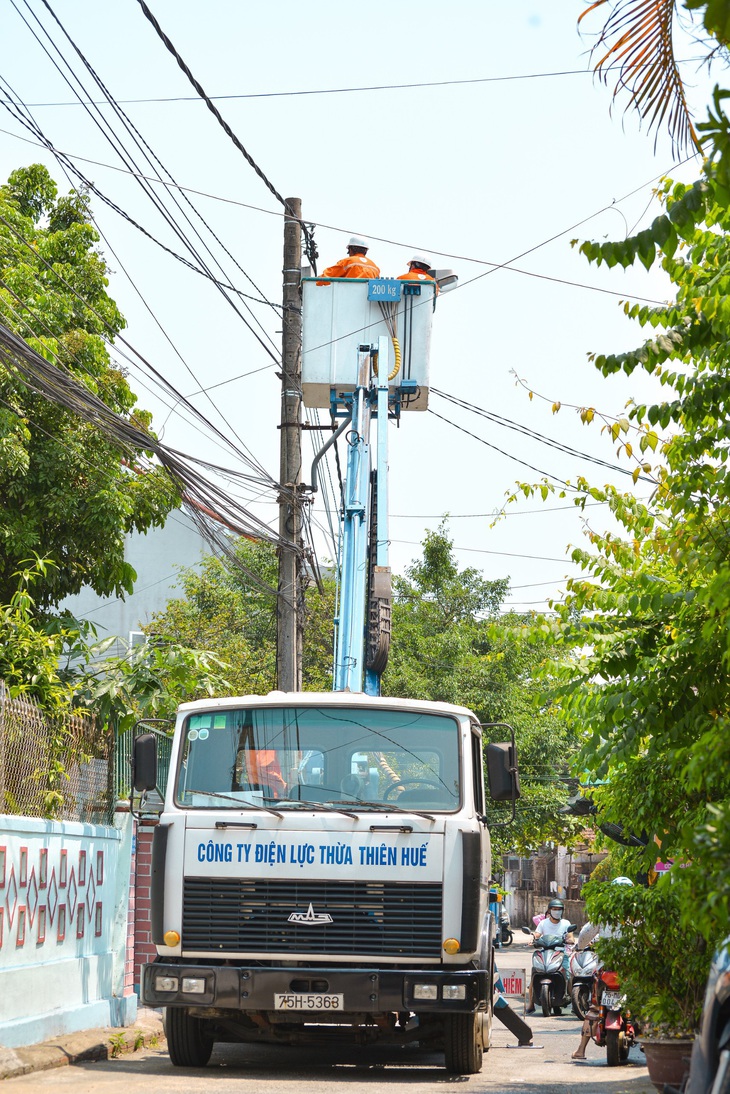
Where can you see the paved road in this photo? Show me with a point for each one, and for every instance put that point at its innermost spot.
(263, 1069)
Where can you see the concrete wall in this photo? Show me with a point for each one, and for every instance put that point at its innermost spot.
(64, 924)
(522, 905)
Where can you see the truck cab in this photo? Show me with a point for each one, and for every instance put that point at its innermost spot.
(321, 870)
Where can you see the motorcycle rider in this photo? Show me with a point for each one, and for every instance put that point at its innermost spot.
(552, 924)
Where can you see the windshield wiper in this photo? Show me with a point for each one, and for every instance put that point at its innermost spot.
(315, 805)
(232, 797)
(386, 807)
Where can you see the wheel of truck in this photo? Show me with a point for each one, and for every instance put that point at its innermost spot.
(580, 999)
(464, 1043)
(188, 1041)
(545, 1002)
(617, 1050)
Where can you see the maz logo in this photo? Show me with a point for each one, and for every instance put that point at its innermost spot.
(310, 916)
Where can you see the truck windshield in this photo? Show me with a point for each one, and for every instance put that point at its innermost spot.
(292, 755)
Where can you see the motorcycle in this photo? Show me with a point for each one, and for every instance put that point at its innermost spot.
(505, 931)
(583, 965)
(549, 981)
(614, 1028)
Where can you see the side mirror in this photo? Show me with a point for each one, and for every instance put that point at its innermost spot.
(572, 928)
(504, 780)
(525, 930)
(144, 762)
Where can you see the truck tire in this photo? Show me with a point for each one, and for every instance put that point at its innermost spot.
(188, 1041)
(464, 1043)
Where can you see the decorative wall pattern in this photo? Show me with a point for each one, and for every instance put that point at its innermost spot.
(57, 891)
(38, 906)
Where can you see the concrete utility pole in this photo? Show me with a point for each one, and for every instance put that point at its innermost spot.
(289, 622)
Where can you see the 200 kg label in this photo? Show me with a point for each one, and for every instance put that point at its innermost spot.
(309, 1001)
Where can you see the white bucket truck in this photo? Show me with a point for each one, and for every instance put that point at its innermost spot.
(320, 871)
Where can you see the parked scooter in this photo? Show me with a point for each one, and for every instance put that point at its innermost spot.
(583, 965)
(614, 1028)
(549, 981)
(505, 928)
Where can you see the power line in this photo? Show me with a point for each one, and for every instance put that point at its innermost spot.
(482, 551)
(508, 423)
(494, 266)
(112, 138)
(311, 251)
(165, 384)
(371, 87)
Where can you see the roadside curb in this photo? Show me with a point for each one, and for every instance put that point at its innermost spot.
(90, 1044)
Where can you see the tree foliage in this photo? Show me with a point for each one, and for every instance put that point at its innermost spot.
(222, 610)
(648, 623)
(450, 644)
(69, 496)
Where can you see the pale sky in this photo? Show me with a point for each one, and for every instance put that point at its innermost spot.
(485, 170)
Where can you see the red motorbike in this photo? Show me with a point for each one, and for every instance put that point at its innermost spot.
(614, 1028)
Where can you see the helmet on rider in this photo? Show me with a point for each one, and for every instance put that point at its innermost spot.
(555, 909)
(622, 881)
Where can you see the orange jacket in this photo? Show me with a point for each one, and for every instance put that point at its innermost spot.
(353, 266)
(418, 275)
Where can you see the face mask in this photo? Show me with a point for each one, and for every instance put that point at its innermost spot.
(555, 914)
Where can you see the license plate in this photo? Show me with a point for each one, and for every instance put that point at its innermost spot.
(308, 1001)
(611, 1000)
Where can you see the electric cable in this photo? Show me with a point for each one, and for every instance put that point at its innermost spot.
(374, 87)
(147, 150)
(243, 453)
(61, 388)
(534, 435)
(310, 249)
(105, 128)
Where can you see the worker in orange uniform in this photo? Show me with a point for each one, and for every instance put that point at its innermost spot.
(262, 766)
(419, 269)
(356, 264)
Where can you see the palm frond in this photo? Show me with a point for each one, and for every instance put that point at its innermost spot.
(639, 53)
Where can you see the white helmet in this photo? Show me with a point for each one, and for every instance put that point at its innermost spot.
(356, 241)
(422, 260)
(622, 881)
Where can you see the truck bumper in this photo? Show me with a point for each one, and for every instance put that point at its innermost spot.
(246, 988)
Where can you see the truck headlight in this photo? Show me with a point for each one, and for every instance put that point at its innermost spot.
(425, 991)
(194, 985)
(166, 983)
(453, 991)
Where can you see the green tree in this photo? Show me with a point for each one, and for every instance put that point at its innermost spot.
(450, 644)
(69, 495)
(223, 611)
(651, 615)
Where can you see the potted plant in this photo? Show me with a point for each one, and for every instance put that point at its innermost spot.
(662, 964)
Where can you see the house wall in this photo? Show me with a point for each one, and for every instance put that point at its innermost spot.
(159, 556)
(64, 927)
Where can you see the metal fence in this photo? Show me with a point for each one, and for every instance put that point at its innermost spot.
(53, 766)
(123, 756)
(65, 767)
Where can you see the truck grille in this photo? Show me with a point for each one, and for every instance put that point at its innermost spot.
(368, 919)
